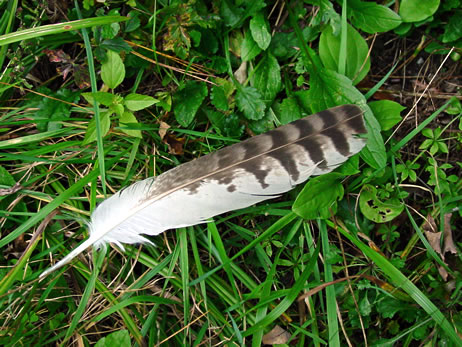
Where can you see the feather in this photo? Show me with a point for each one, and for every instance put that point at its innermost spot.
(260, 168)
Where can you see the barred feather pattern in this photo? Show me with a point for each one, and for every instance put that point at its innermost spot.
(260, 168)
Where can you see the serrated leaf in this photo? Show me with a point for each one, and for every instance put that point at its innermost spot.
(112, 70)
(387, 113)
(259, 30)
(318, 196)
(233, 126)
(267, 78)
(262, 125)
(105, 125)
(365, 306)
(358, 63)
(129, 118)
(187, 101)
(417, 10)
(329, 89)
(249, 102)
(376, 210)
(249, 48)
(50, 113)
(373, 18)
(136, 102)
(103, 98)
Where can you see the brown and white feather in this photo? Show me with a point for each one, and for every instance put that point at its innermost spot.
(260, 168)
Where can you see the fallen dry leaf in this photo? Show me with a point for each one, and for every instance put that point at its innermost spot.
(241, 73)
(175, 144)
(163, 127)
(433, 236)
(449, 245)
(11, 190)
(276, 336)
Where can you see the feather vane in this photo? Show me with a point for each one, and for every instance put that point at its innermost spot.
(260, 168)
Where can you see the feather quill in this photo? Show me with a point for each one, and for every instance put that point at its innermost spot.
(260, 168)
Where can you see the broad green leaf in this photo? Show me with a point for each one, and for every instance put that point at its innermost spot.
(303, 99)
(453, 30)
(109, 31)
(329, 89)
(376, 210)
(117, 45)
(249, 48)
(259, 30)
(289, 110)
(187, 101)
(119, 338)
(6, 178)
(319, 196)
(103, 98)
(417, 10)
(249, 102)
(357, 60)
(134, 21)
(218, 98)
(387, 113)
(128, 118)
(136, 102)
(117, 108)
(105, 123)
(372, 18)
(267, 78)
(230, 13)
(350, 167)
(113, 70)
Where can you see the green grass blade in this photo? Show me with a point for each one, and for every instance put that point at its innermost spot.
(331, 302)
(52, 29)
(282, 222)
(14, 273)
(343, 41)
(288, 300)
(401, 281)
(212, 228)
(420, 127)
(12, 6)
(86, 294)
(184, 269)
(94, 89)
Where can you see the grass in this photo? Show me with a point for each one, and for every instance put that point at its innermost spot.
(267, 274)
